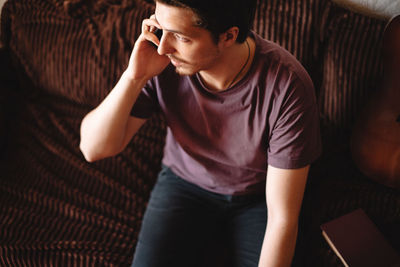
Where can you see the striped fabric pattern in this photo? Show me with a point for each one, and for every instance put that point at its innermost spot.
(58, 210)
(55, 208)
(352, 69)
(290, 24)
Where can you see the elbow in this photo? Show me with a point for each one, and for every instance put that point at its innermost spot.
(89, 154)
(93, 153)
(96, 146)
(89, 157)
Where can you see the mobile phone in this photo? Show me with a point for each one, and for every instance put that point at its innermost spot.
(158, 33)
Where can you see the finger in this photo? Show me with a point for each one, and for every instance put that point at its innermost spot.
(153, 18)
(151, 37)
(149, 26)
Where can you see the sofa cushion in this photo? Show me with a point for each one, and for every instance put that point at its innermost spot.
(55, 208)
(351, 71)
(292, 24)
(70, 54)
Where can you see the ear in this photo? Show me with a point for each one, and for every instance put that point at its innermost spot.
(229, 37)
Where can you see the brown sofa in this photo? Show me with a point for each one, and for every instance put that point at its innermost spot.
(60, 59)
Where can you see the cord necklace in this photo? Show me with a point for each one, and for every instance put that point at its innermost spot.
(245, 64)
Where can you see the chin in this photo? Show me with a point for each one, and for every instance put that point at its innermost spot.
(184, 71)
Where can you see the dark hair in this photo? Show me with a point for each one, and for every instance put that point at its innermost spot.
(218, 16)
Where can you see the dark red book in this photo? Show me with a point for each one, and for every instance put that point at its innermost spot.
(358, 242)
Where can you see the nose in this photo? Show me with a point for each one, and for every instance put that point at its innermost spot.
(165, 47)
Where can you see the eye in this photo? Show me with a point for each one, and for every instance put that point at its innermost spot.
(181, 38)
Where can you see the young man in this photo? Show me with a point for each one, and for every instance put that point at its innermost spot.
(242, 125)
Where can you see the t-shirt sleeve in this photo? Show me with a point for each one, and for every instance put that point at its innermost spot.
(147, 102)
(294, 137)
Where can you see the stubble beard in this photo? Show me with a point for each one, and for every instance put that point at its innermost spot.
(185, 70)
(190, 69)
(182, 72)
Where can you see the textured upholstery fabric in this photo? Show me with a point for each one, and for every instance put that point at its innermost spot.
(352, 69)
(56, 209)
(63, 57)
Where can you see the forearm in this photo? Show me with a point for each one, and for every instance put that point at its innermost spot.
(103, 129)
(107, 129)
(279, 244)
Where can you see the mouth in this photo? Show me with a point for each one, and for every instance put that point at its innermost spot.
(176, 62)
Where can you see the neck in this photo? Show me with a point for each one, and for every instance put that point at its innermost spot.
(231, 67)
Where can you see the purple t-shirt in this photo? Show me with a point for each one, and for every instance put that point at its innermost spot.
(224, 141)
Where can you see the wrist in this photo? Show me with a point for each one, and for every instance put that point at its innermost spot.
(129, 77)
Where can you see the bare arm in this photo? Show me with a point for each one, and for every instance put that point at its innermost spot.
(284, 193)
(107, 129)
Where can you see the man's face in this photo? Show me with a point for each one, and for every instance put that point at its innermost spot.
(190, 48)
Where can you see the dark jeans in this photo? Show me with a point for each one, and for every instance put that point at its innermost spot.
(183, 223)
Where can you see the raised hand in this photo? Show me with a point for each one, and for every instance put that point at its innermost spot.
(144, 61)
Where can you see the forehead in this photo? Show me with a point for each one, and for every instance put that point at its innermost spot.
(176, 19)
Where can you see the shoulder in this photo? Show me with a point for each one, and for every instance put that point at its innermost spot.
(275, 60)
(273, 51)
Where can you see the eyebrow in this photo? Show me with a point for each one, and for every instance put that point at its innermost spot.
(173, 31)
